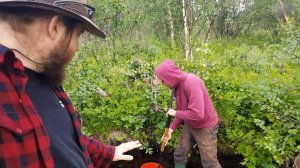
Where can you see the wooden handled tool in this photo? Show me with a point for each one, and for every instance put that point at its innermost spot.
(168, 122)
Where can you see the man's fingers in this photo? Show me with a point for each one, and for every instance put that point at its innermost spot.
(131, 145)
(127, 157)
(125, 147)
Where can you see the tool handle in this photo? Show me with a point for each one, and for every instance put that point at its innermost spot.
(168, 122)
(163, 144)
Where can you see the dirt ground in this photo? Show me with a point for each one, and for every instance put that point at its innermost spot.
(166, 159)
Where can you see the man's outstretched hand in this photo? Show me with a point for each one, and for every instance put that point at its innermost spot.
(125, 147)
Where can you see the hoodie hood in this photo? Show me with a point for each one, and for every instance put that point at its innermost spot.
(169, 73)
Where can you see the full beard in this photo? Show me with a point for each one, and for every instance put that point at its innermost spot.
(55, 69)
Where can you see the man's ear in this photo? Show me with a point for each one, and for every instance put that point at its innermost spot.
(56, 27)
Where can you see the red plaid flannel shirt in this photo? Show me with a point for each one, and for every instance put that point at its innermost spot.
(24, 141)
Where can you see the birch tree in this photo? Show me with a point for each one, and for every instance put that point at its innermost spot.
(281, 6)
(186, 32)
(171, 23)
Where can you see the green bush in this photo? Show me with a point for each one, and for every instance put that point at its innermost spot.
(255, 91)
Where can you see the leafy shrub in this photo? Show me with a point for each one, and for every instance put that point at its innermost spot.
(255, 91)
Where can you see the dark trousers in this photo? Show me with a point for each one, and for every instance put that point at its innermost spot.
(206, 139)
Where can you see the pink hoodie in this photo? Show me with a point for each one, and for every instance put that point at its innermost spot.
(193, 104)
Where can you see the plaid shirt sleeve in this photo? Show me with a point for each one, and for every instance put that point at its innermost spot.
(24, 142)
(101, 155)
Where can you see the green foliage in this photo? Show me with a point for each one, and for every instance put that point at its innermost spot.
(256, 95)
(252, 74)
(129, 104)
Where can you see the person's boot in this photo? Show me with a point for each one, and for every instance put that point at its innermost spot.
(179, 165)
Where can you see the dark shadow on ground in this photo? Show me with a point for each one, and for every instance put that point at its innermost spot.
(166, 159)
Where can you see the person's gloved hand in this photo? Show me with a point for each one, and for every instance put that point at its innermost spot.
(125, 147)
(167, 136)
(171, 112)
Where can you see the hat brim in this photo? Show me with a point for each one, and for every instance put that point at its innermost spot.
(88, 24)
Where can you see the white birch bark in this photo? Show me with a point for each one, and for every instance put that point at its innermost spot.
(171, 24)
(283, 11)
(186, 31)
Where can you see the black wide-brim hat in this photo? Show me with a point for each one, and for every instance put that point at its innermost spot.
(78, 9)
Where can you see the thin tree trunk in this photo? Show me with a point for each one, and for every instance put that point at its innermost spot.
(221, 17)
(211, 25)
(283, 11)
(171, 24)
(191, 53)
(186, 31)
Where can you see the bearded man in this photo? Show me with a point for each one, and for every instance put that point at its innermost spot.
(38, 124)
